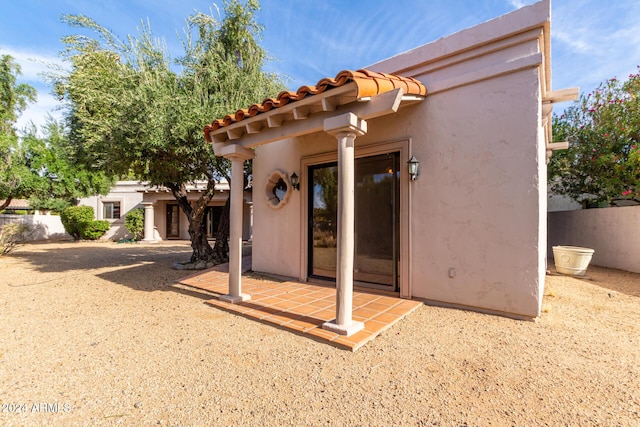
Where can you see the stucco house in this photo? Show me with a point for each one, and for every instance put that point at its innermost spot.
(164, 220)
(337, 198)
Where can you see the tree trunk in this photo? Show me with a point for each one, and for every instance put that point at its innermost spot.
(198, 233)
(221, 247)
(6, 203)
(202, 251)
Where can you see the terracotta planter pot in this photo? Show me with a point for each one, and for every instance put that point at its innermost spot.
(572, 260)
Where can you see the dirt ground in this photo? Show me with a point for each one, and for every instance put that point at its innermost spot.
(96, 334)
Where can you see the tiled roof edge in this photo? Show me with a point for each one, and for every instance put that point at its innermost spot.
(368, 83)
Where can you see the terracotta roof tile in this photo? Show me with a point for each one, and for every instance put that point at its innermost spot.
(17, 204)
(368, 83)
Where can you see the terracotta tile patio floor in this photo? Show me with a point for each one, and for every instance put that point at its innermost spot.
(304, 307)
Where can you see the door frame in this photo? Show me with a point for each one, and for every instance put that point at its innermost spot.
(212, 220)
(169, 213)
(403, 147)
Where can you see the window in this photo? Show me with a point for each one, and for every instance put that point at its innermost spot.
(278, 189)
(111, 210)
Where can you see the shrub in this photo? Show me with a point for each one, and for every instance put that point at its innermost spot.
(75, 218)
(600, 168)
(12, 235)
(94, 230)
(134, 222)
(79, 223)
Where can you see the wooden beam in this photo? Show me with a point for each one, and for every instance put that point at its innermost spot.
(254, 127)
(329, 104)
(301, 113)
(275, 121)
(562, 95)
(235, 133)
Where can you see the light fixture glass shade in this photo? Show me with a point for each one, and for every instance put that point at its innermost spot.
(414, 168)
(295, 181)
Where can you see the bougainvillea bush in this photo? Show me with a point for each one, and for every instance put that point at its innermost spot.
(602, 164)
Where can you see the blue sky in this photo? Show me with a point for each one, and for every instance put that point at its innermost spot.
(592, 40)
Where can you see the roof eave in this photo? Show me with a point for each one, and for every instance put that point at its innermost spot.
(298, 110)
(307, 116)
(329, 95)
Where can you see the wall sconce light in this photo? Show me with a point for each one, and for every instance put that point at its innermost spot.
(295, 181)
(414, 168)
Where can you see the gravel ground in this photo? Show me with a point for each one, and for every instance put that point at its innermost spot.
(95, 334)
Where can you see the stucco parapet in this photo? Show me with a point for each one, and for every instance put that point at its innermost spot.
(511, 24)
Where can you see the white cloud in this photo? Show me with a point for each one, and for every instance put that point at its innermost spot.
(593, 42)
(573, 41)
(33, 64)
(519, 3)
(37, 113)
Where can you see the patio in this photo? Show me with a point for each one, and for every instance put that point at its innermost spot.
(303, 307)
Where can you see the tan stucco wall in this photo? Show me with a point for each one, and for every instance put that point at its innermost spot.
(479, 205)
(475, 205)
(125, 192)
(276, 232)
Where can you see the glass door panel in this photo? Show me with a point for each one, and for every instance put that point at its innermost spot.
(212, 220)
(376, 220)
(323, 224)
(173, 221)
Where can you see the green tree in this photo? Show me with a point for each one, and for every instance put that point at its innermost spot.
(15, 177)
(59, 179)
(602, 164)
(35, 167)
(134, 111)
(15, 96)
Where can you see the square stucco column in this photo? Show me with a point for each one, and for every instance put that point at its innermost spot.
(149, 220)
(345, 128)
(237, 154)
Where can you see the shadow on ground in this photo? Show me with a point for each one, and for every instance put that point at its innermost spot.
(140, 267)
(608, 278)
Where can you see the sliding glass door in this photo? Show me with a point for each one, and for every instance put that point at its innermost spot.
(377, 200)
